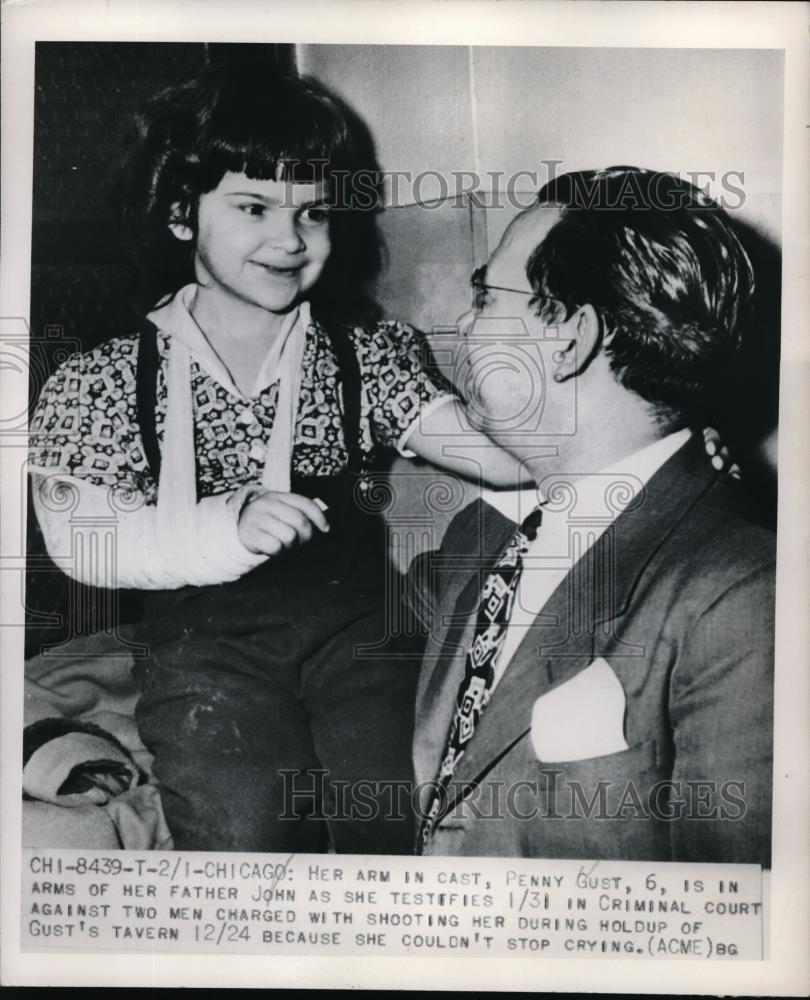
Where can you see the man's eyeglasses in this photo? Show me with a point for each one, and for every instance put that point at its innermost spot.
(481, 290)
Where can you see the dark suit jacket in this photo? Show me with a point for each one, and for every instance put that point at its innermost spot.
(677, 597)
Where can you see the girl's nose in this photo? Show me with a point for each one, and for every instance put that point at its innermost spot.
(283, 232)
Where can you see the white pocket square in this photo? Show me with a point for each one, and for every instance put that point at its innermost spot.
(582, 718)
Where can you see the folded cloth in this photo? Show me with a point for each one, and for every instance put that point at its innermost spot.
(86, 675)
(132, 821)
(76, 694)
(72, 763)
(138, 818)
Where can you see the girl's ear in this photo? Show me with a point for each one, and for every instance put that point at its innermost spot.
(178, 223)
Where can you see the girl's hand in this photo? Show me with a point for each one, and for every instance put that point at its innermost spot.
(272, 522)
(719, 454)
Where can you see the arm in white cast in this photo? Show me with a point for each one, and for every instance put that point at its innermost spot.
(95, 542)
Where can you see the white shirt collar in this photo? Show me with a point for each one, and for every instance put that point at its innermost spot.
(175, 319)
(593, 496)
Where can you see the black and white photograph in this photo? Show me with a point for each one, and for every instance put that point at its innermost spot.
(398, 444)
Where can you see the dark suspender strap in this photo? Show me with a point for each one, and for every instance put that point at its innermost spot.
(146, 394)
(352, 392)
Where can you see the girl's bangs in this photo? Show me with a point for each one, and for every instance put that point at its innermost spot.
(299, 145)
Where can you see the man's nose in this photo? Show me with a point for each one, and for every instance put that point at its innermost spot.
(283, 232)
(465, 322)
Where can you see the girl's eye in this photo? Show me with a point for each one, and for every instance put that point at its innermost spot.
(254, 208)
(316, 214)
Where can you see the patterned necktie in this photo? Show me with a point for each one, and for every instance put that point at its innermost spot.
(492, 620)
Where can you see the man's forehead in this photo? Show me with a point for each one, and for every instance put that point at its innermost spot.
(507, 266)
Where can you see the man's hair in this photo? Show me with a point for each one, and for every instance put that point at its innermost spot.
(247, 118)
(659, 262)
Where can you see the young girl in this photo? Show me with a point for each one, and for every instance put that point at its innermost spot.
(226, 442)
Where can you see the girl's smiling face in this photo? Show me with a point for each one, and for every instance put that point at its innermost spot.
(262, 242)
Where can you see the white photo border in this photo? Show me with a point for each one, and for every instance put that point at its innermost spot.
(453, 22)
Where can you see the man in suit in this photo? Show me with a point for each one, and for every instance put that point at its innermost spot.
(597, 681)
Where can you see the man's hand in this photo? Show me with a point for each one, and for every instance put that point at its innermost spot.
(272, 522)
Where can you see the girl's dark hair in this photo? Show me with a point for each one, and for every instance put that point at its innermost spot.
(248, 119)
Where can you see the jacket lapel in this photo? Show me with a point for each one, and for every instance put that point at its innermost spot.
(582, 612)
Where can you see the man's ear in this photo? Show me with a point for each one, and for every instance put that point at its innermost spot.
(585, 332)
(178, 222)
